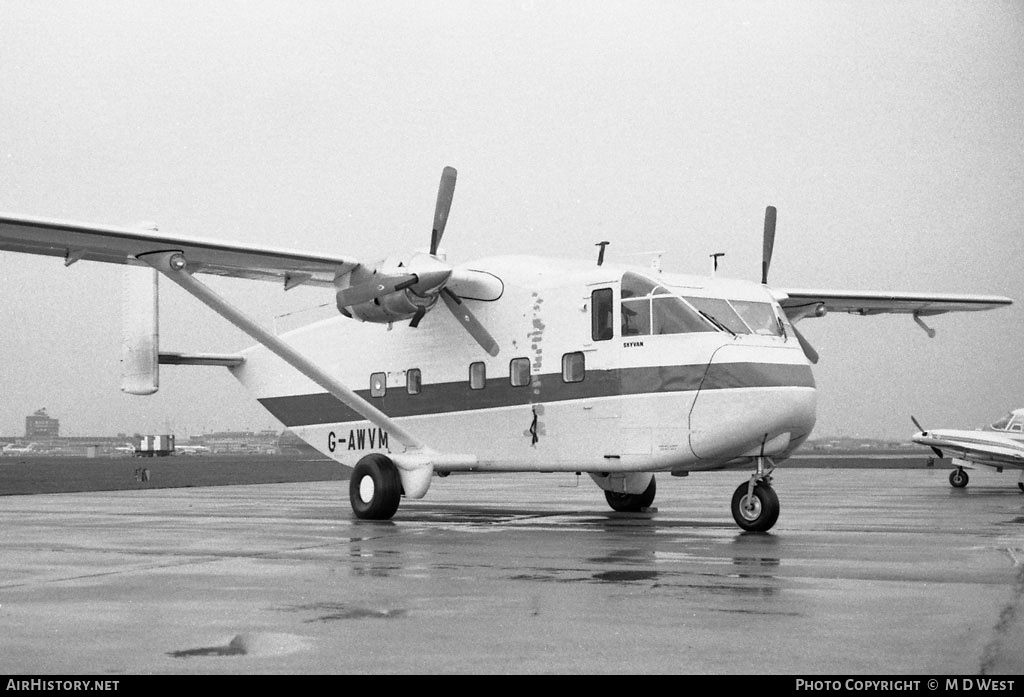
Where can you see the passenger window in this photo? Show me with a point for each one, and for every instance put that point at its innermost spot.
(413, 381)
(378, 384)
(601, 327)
(477, 376)
(573, 367)
(519, 372)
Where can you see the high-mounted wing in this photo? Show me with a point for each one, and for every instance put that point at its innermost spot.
(799, 303)
(74, 241)
(379, 292)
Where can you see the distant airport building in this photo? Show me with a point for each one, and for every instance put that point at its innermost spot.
(41, 426)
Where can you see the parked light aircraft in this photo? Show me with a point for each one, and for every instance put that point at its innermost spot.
(996, 446)
(30, 449)
(191, 450)
(533, 364)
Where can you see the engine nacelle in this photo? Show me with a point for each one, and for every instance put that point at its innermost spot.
(404, 304)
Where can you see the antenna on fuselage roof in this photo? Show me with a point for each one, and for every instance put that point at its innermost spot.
(600, 254)
(714, 257)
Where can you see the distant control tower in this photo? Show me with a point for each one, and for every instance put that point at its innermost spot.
(41, 425)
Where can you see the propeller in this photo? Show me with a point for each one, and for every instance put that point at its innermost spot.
(445, 193)
(425, 277)
(770, 216)
(809, 351)
(468, 320)
(919, 428)
(769, 241)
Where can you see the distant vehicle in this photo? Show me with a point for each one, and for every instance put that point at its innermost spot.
(31, 448)
(996, 447)
(127, 449)
(191, 450)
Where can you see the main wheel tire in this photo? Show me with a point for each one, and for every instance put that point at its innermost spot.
(757, 514)
(631, 503)
(958, 478)
(375, 488)
(1020, 485)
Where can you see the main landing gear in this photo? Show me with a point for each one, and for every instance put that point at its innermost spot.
(375, 488)
(631, 503)
(958, 478)
(755, 506)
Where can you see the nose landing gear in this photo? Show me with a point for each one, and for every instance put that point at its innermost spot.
(958, 478)
(755, 506)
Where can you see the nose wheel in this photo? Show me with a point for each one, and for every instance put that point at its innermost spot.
(958, 478)
(755, 505)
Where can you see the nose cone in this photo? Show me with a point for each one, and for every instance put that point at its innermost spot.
(753, 400)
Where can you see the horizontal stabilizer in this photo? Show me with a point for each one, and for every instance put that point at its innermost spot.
(227, 360)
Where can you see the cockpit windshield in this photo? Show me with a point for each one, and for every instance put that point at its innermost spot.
(760, 317)
(648, 308)
(1011, 422)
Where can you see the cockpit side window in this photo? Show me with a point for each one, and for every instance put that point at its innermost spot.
(1017, 423)
(636, 316)
(636, 286)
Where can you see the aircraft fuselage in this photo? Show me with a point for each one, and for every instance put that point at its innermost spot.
(591, 376)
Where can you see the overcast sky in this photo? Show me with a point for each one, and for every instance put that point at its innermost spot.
(890, 135)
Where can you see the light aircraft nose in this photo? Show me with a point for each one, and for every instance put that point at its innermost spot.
(752, 400)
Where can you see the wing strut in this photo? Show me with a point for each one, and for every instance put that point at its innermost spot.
(415, 465)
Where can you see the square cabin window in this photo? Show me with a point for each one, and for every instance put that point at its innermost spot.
(477, 376)
(519, 372)
(413, 381)
(378, 384)
(573, 367)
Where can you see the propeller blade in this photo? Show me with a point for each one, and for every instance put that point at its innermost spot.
(415, 321)
(769, 241)
(809, 351)
(445, 192)
(380, 286)
(470, 322)
(921, 429)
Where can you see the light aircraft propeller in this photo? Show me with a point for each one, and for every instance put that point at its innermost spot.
(922, 430)
(411, 289)
(770, 215)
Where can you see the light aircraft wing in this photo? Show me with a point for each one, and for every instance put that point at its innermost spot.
(799, 303)
(975, 446)
(74, 241)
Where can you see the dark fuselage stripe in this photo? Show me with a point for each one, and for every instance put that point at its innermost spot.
(439, 398)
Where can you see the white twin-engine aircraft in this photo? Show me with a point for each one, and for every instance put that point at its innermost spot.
(996, 447)
(533, 365)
